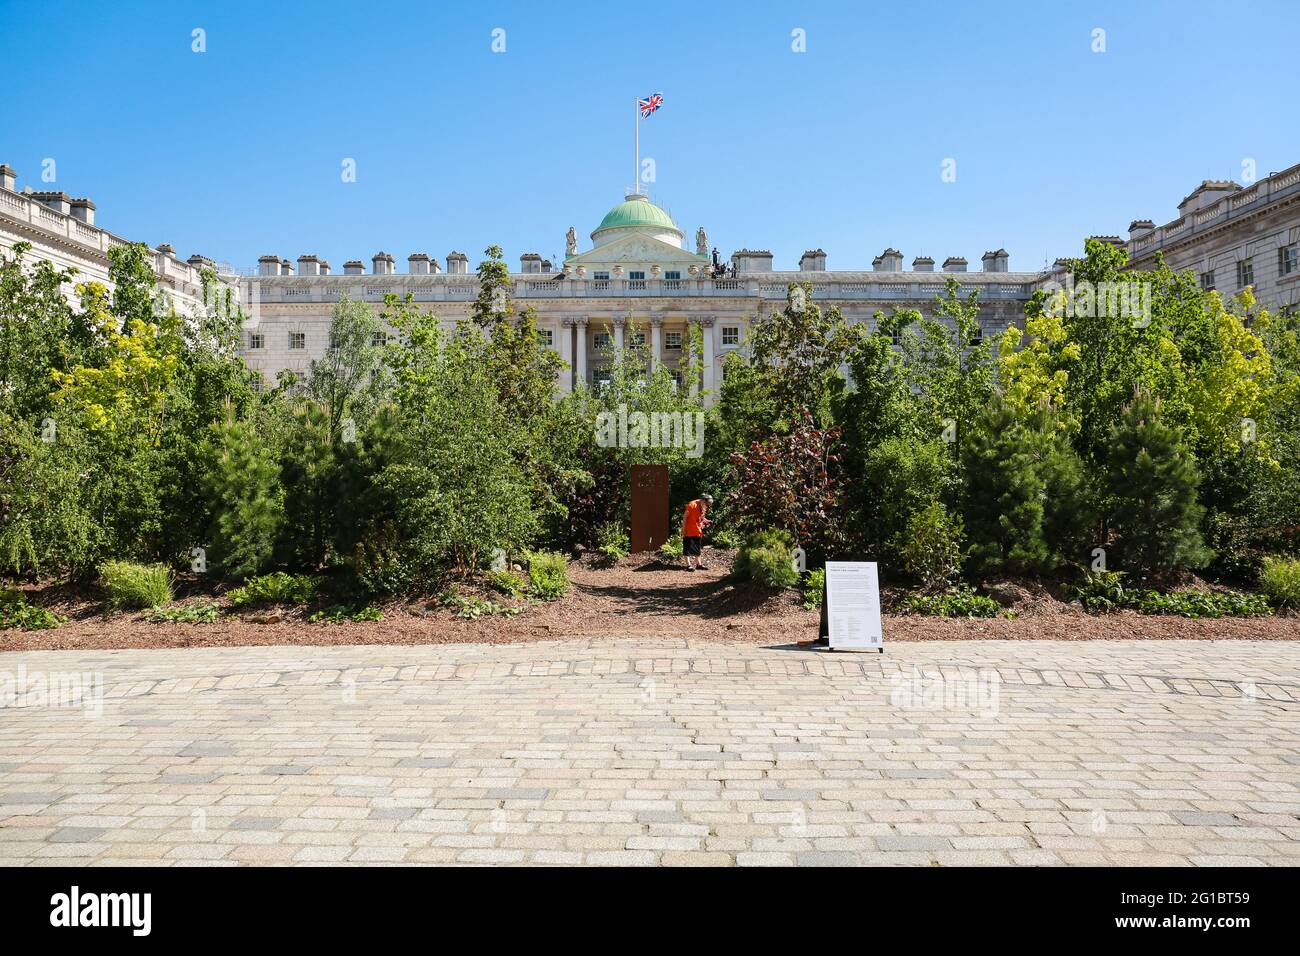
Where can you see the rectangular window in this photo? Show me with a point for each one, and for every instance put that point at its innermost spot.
(977, 336)
(378, 338)
(634, 274)
(256, 340)
(1288, 260)
(297, 340)
(731, 335)
(672, 340)
(547, 336)
(677, 378)
(672, 274)
(637, 339)
(1245, 273)
(1207, 281)
(602, 340)
(258, 383)
(600, 275)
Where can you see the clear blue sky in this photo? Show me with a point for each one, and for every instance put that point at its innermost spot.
(236, 152)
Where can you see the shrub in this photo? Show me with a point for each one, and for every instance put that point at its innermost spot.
(548, 574)
(1204, 604)
(787, 481)
(767, 558)
(1104, 591)
(470, 608)
(17, 614)
(277, 588)
(931, 546)
(242, 483)
(206, 612)
(960, 602)
(508, 582)
(1280, 580)
(672, 548)
(814, 589)
(341, 613)
(612, 542)
(135, 586)
(728, 539)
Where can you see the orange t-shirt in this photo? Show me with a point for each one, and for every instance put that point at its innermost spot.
(691, 524)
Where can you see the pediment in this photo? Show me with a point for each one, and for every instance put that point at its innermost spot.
(635, 248)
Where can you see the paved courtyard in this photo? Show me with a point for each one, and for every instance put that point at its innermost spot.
(657, 752)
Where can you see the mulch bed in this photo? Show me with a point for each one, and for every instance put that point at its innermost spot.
(640, 596)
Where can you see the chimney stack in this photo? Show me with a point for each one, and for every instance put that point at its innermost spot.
(268, 266)
(83, 210)
(922, 264)
(324, 267)
(417, 264)
(995, 261)
(8, 177)
(354, 267)
(813, 260)
(308, 266)
(457, 264)
(954, 264)
(891, 260)
(1139, 228)
(286, 267)
(381, 264)
(58, 201)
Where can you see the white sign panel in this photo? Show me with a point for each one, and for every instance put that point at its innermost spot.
(853, 605)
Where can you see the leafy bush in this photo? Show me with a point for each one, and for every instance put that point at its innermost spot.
(470, 608)
(612, 542)
(341, 613)
(508, 582)
(767, 558)
(17, 614)
(728, 539)
(959, 602)
(135, 586)
(205, 612)
(931, 546)
(548, 574)
(1204, 604)
(672, 548)
(277, 588)
(1280, 580)
(814, 589)
(1104, 591)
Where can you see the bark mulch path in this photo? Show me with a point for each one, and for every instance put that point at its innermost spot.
(641, 596)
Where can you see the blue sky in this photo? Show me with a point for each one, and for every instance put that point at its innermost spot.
(237, 152)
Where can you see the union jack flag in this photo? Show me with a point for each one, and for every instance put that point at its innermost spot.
(650, 104)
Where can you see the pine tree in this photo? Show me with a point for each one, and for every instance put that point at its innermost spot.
(243, 487)
(1152, 479)
(1005, 493)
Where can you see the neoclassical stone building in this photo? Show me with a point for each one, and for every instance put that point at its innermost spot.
(640, 283)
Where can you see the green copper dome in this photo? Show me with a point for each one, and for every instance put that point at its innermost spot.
(637, 211)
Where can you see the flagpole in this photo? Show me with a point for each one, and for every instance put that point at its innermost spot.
(636, 150)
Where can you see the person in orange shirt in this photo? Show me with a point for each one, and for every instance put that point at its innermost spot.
(693, 525)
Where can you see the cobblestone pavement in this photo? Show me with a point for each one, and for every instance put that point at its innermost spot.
(656, 752)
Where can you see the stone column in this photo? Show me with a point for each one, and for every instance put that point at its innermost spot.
(581, 324)
(620, 333)
(705, 322)
(565, 344)
(656, 340)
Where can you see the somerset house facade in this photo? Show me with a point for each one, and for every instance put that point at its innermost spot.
(643, 281)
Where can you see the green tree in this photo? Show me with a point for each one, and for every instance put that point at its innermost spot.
(242, 482)
(1152, 482)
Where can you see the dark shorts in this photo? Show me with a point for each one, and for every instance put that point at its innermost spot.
(691, 546)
